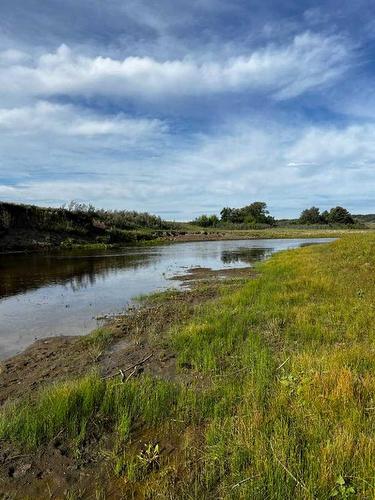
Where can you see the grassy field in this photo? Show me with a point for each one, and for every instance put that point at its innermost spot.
(195, 233)
(280, 403)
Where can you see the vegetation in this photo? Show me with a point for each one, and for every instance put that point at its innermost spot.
(252, 215)
(337, 215)
(207, 221)
(256, 216)
(366, 218)
(279, 402)
(255, 213)
(75, 224)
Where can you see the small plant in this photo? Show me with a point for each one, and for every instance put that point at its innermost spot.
(290, 382)
(150, 456)
(342, 489)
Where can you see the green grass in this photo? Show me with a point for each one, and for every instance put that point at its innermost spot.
(283, 232)
(281, 401)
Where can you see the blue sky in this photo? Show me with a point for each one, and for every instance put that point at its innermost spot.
(180, 108)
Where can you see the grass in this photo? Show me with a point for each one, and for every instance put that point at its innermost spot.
(281, 402)
(283, 232)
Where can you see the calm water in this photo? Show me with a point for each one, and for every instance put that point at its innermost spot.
(46, 295)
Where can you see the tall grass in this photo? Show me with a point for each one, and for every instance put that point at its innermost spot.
(282, 401)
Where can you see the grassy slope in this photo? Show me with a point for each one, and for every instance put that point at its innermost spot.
(283, 403)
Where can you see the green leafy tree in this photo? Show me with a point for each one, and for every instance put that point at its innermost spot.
(324, 217)
(226, 214)
(310, 216)
(206, 221)
(255, 213)
(340, 215)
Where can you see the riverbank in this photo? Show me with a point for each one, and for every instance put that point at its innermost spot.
(256, 234)
(45, 243)
(267, 392)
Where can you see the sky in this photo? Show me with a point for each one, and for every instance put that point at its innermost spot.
(180, 108)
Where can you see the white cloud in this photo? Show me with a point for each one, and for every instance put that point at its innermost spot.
(308, 61)
(47, 118)
(288, 167)
(348, 146)
(8, 190)
(12, 56)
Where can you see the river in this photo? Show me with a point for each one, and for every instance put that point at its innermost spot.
(45, 295)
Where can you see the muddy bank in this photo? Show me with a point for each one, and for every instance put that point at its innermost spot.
(122, 342)
(196, 274)
(130, 346)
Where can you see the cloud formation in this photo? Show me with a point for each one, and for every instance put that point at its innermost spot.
(241, 162)
(50, 118)
(276, 70)
(181, 108)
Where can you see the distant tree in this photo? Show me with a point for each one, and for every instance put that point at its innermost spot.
(324, 216)
(310, 216)
(206, 221)
(226, 214)
(231, 215)
(255, 213)
(340, 215)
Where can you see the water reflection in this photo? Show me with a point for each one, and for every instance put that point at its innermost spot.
(245, 255)
(20, 273)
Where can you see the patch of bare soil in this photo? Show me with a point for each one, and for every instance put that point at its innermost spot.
(196, 274)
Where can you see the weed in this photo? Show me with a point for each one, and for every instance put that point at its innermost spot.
(150, 456)
(342, 489)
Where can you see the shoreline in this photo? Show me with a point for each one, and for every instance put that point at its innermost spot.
(199, 274)
(63, 352)
(187, 237)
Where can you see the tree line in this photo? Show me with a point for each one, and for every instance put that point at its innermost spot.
(257, 214)
(337, 215)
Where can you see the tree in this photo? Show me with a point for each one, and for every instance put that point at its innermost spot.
(310, 216)
(226, 214)
(255, 213)
(340, 215)
(206, 221)
(325, 217)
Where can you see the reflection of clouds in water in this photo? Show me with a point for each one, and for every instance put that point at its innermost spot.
(245, 255)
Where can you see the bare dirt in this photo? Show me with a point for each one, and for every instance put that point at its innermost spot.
(196, 274)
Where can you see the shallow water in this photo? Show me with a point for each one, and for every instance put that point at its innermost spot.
(62, 294)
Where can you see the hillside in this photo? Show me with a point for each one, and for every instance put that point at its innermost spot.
(30, 227)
